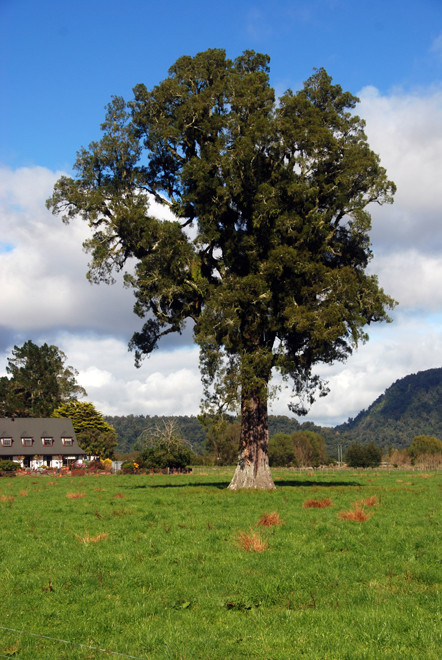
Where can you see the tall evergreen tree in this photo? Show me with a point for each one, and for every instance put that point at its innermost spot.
(37, 382)
(268, 251)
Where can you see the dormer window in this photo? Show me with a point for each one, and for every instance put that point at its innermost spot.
(7, 442)
(67, 442)
(47, 442)
(27, 442)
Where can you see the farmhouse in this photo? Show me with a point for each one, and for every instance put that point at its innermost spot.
(36, 442)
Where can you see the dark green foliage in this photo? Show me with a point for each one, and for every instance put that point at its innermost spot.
(359, 455)
(161, 457)
(38, 381)
(129, 467)
(411, 406)
(223, 441)
(129, 429)
(300, 449)
(424, 444)
(8, 466)
(273, 275)
(283, 424)
(165, 448)
(282, 451)
(95, 436)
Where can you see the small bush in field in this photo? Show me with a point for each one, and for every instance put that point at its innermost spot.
(356, 515)
(270, 519)
(251, 542)
(317, 504)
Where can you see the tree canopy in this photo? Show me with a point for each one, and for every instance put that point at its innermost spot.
(37, 382)
(165, 448)
(95, 436)
(267, 253)
(424, 444)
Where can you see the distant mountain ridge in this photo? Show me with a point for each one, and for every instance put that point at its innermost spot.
(411, 406)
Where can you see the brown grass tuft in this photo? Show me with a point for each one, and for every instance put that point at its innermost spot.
(369, 501)
(91, 539)
(270, 519)
(75, 496)
(24, 493)
(6, 498)
(119, 496)
(356, 515)
(317, 504)
(251, 542)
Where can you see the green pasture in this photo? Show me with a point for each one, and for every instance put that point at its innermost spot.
(152, 567)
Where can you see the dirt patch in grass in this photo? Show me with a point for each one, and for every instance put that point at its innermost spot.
(75, 496)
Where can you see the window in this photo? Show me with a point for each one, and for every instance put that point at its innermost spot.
(47, 442)
(7, 442)
(68, 442)
(27, 442)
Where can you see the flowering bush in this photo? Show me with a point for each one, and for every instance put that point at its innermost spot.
(129, 467)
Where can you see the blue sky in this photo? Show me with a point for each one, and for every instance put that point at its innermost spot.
(60, 64)
(62, 61)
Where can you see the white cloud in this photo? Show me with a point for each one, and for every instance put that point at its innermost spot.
(406, 130)
(43, 278)
(166, 383)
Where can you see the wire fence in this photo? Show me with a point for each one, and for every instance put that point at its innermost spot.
(66, 641)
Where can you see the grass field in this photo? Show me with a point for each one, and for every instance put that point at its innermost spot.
(348, 566)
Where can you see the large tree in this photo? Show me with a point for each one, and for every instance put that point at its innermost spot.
(268, 251)
(38, 381)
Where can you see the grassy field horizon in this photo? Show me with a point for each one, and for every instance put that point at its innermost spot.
(332, 564)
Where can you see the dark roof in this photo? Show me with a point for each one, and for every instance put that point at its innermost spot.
(29, 427)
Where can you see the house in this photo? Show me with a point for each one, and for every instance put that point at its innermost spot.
(36, 442)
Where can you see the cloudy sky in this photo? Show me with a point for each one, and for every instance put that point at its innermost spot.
(61, 63)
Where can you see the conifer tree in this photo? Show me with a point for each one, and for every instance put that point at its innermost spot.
(267, 255)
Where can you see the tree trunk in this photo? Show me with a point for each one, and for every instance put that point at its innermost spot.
(253, 469)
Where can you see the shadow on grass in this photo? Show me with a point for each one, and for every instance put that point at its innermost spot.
(280, 485)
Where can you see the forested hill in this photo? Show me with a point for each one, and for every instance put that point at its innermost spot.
(411, 406)
(131, 427)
